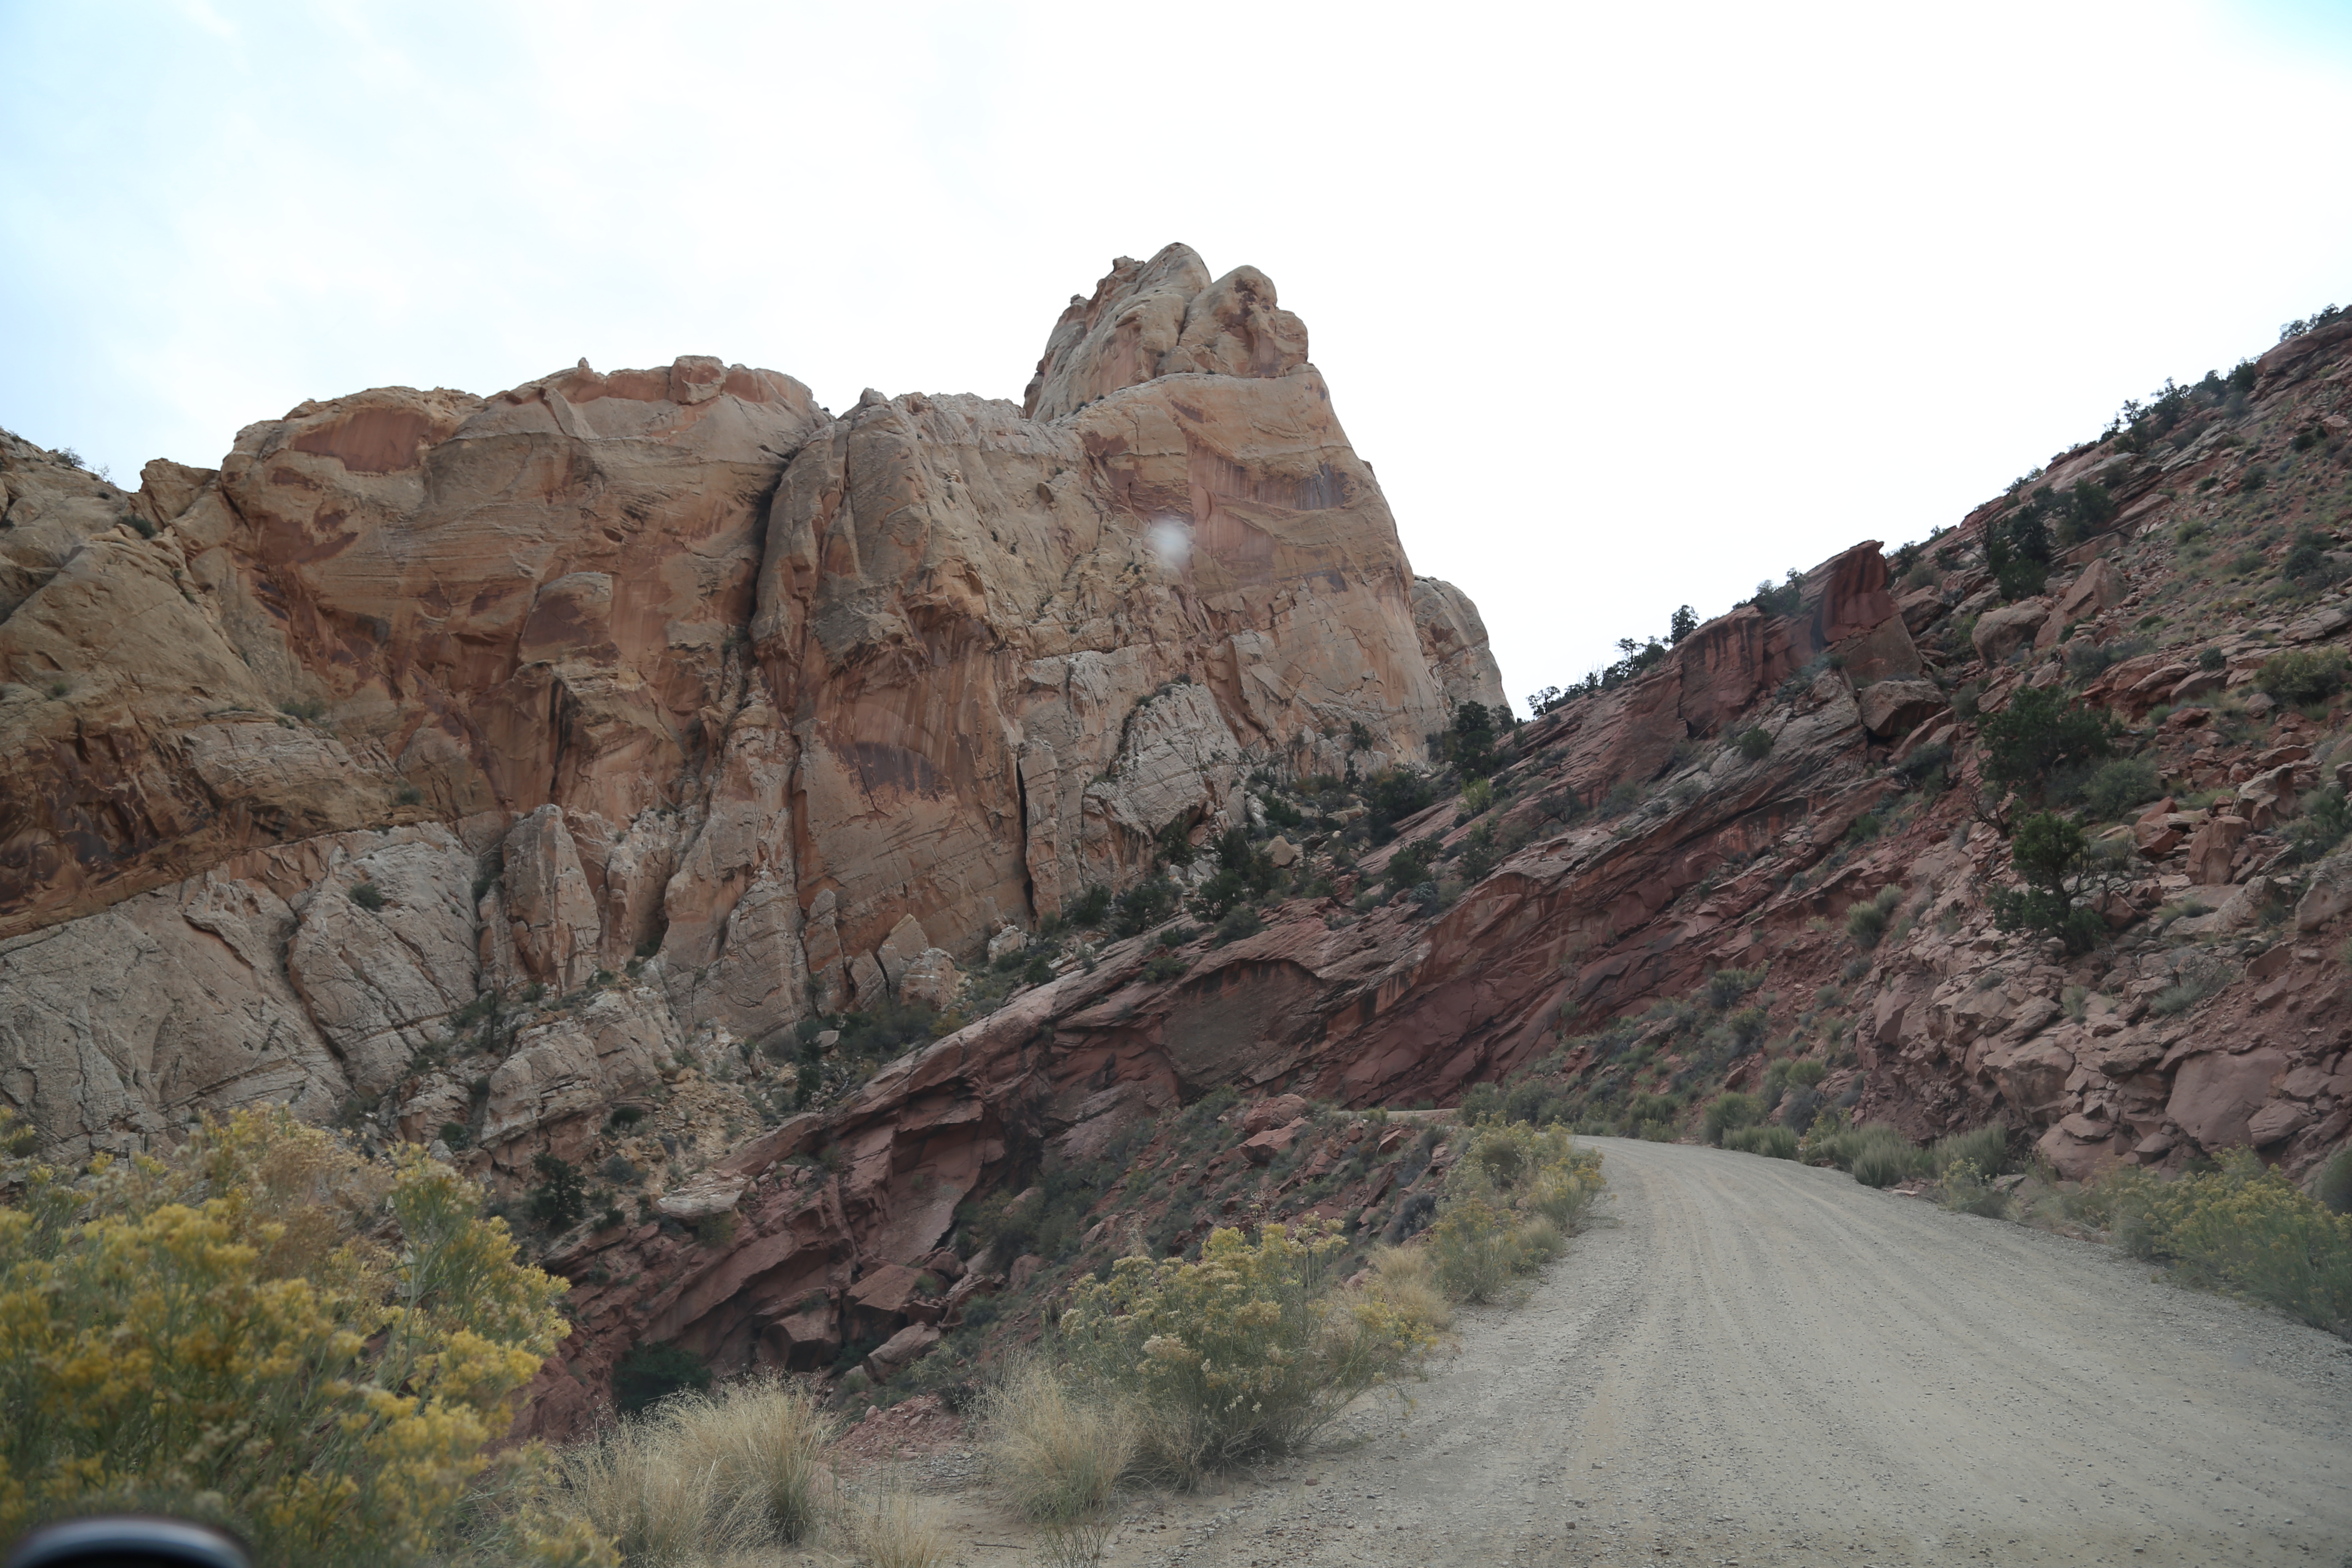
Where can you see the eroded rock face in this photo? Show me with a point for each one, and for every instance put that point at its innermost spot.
(668, 669)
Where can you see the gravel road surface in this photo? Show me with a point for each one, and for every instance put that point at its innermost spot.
(1760, 1362)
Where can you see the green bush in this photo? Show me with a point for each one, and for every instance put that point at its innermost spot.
(2244, 1228)
(1659, 1108)
(1879, 1167)
(1755, 745)
(1164, 967)
(559, 1197)
(1410, 866)
(1968, 1190)
(1877, 1153)
(368, 895)
(2302, 675)
(2334, 1187)
(1391, 796)
(1866, 921)
(1774, 1143)
(2326, 819)
(1143, 906)
(2119, 786)
(1727, 1112)
(1088, 908)
(1237, 924)
(2052, 854)
(2039, 732)
(1727, 985)
(1508, 1203)
(1806, 1073)
(1985, 1148)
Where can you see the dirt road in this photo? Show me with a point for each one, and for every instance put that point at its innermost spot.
(1765, 1364)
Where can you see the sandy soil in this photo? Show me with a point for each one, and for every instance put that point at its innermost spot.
(1764, 1364)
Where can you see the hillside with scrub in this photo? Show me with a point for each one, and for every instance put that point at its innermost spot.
(884, 927)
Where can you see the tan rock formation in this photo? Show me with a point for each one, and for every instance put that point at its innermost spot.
(788, 709)
(1454, 641)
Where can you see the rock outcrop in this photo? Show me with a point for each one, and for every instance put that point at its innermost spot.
(669, 671)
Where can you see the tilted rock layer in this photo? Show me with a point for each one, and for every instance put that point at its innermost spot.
(424, 695)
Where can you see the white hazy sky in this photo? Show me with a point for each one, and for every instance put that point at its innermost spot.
(1630, 305)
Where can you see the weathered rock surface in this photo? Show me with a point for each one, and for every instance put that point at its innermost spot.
(791, 708)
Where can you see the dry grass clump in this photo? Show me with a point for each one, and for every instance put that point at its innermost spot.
(702, 1476)
(1404, 1278)
(1056, 1452)
(893, 1529)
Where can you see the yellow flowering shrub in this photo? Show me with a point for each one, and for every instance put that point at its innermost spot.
(2244, 1228)
(266, 1332)
(1247, 1353)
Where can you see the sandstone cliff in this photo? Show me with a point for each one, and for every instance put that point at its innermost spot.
(668, 665)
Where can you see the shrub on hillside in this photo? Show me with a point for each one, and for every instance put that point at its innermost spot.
(1727, 1112)
(1866, 921)
(1771, 1141)
(2325, 821)
(2052, 855)
(1755, 744)
(2041, 733)
(1509, 1203)
(2119, 786)
(2242, 1228)
(2303, 675)
(1877, 1154)
(267, 1333)
(1249, 1351)
(1968, 1189)
(1986, 1148)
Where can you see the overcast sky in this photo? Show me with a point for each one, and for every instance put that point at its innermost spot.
(1628, 305)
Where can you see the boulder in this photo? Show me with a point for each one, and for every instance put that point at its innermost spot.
(805, 1340)
(2195, 684)
(2033, 1080)
(1012, 939)
(2277, 1121)
(2100, 588)
(2000, 633)
(2269, 797)
(1273, 1143)
(2213, 849)
(700, 1196)
(931, 981)
(1282, 852)
(2330, 895)
(2215, 1094)
(1893, 707)
(1275, 1110)
(901, 1351)
(901, 948)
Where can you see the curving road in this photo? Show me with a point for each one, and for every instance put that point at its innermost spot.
(1764, 1364)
